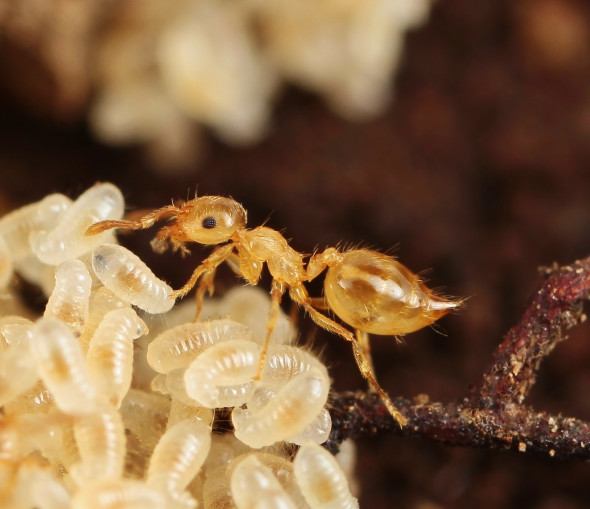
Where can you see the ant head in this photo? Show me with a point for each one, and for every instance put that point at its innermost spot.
(210, 219)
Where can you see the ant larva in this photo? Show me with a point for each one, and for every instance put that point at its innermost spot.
(371, 292)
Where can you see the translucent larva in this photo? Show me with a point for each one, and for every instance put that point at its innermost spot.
(250, 305)
(216, 490)
(177, 347)
(62, 367)
(100, 438)
(321, 480)
(37, 399)
(110, 353)
(16, 227)
(102, 300)
(223, 375)
(118, 494)
(318, 431)
(254, 485)
(293, 408)
(179, 456)
(130, 279)
(68, 240)
(179, 412)
(70, 297)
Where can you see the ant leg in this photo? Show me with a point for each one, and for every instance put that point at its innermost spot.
(299, 295)
(145, 222)
(205, 285)
(210, 263)
(366, 368)
(276, 294)
(319, 303)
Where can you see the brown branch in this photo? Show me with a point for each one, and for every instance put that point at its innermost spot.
(491, 414)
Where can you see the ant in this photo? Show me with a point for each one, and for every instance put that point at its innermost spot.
(370, 291)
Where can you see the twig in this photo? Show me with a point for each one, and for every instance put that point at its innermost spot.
(492, 413)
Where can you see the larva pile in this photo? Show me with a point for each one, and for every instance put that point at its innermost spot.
(109, 399)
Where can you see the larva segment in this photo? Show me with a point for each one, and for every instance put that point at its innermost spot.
(110, 353)
(62, 367)
(321, 480)
(177, 347)
(130, 279)
(222, 376)
(118, 494)
(70, 297)
(68, 240)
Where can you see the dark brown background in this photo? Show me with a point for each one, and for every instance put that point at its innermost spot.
(479, 172)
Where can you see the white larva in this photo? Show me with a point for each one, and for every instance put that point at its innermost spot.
(61, 366)
(284, 362)
(179, 456)
(68, 240)
(177, 347)
(100, 438)
(110, 353)
(294, 407)
(223, 375)
(321, 480)
(17, 373)
(130, 279)
(179, 412)
(70, 297)
(318, 431)
(16, 227)
(254, 485)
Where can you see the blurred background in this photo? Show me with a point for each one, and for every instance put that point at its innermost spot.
(454, 135)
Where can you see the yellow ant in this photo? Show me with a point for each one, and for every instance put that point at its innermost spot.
(371, 292)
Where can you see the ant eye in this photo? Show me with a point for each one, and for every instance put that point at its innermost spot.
(209, 222)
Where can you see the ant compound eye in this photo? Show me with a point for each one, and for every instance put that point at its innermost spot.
(209, 223)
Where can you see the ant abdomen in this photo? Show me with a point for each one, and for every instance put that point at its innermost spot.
(375, 293)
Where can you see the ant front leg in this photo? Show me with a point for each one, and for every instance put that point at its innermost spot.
(143, 223)
(207, 271)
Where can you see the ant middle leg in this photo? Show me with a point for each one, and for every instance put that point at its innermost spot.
(276, 294)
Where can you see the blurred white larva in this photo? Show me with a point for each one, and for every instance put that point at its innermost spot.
(130, 279)
(16, 227)
(37, 399)
(17, 373)
(6, 265)
(71, 294)
(100, 438)
(62, 367)
(36, 486)
(110, 353)
(216, 490)
(118, 494)
(321, 480)
(223, 375)
(68, 240)
(179, 456)
(177, 347)
(294, 407)
(254, 485)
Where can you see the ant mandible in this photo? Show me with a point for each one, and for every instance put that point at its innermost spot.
(371, 292)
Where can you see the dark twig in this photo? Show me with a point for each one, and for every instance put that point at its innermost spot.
(491, 414)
